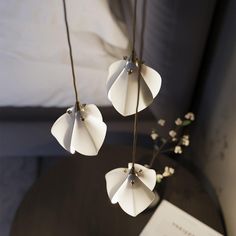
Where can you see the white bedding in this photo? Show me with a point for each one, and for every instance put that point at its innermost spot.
(34, 56)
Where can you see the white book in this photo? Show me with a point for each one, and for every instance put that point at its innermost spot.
(169, 220)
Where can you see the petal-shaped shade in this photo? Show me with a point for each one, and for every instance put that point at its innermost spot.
(152, 78)
(114, 71)
(134, 198)
(133, 191)
(114, 179)
(122, 86)
(62, 129)
(85, 135)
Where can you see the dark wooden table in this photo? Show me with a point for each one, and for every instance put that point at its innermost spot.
(70, 199)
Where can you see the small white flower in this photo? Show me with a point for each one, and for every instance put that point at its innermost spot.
(159, 178)
(178, 149)
(132, 189)
(174, 139)
(168, 171)
(165, 174)
(190, 116)
(186, 137)
(161, 122)
(171, 170)
(178, 121)
(185, 140)
(172, 133)
(154, 135)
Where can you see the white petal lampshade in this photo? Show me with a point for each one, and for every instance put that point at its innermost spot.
(122, 86)
(131, 189)
(82, 131)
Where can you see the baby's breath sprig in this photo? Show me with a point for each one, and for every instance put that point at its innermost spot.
(161, 122)
(168, 171)
(178, 142)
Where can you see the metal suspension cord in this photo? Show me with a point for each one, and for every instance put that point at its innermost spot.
(134, 30)
(135, 134)
(71, 55)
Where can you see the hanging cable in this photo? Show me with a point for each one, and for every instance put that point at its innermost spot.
(135, 130)
(134, 29)
(71, 55)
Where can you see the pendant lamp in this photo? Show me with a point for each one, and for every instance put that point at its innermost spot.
(81, 129)
(132, 188)
(122, 82)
